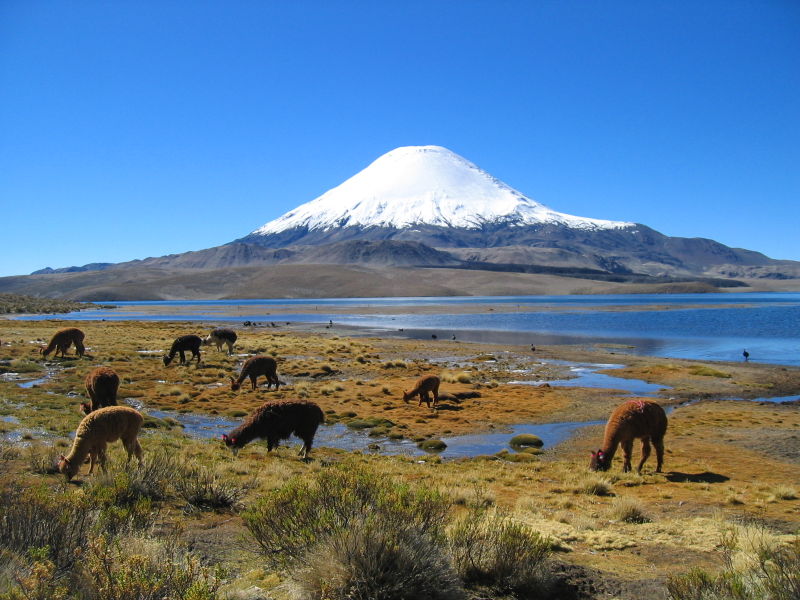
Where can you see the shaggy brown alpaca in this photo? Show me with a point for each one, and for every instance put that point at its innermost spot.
(102, 384)
(182, 344)
(62, 340)
(276, 421)
(220, 336)
(634, 419)
(255, 366)
(425, 385)
(96, 431)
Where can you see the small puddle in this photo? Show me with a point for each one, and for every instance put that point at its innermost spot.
(34, 382)
(586, 375)
(775, 400)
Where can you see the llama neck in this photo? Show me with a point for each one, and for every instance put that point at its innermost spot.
(610, 444)
(244, 434)
(81, 448)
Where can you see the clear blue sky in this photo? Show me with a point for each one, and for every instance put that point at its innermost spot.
(135, 129)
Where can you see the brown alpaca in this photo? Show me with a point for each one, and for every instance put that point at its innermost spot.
(96, 431)
(634, 419)
(62, 340)
(255, 366)
(182, 344)
(102, 384)
(425, 385)
(276, 421)
(220, 336)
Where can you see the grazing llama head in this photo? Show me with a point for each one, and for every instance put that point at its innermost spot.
(67, 467)
(599, 461)
(230, 442)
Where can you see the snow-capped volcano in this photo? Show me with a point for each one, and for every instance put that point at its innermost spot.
(424, 185)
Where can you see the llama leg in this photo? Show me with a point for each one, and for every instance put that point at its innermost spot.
(197, 354)
(659, 444)
(435, 397)
(102, 457)
(645, 453)
(183, 356)
(627, 451)
(307, 441)
(253, 379)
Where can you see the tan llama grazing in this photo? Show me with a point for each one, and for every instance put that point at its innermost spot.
(98, 429)
(254, 367)
(220, 336)
(642, 419)
(276, 421)
(62, 340)
(102, 384)
(425, 385)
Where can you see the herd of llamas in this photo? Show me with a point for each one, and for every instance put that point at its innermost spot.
(105, 422)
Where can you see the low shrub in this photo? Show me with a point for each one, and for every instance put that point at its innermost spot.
(594, 485)
(628, 510)
(770, 573)
(290, 521)
(206, 490)
(57, 523)
(124, 485)
(368, 560)
(494, 551)
(138, 568)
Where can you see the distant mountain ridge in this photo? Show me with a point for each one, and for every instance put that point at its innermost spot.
(418, 208)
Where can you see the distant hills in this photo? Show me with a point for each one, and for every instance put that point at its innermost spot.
(422, 220)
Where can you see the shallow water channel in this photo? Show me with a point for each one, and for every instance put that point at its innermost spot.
(339, 436)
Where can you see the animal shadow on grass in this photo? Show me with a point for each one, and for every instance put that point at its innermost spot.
(441, 406)
(704, 477)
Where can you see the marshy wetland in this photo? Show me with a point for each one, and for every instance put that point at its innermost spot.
(731, 477)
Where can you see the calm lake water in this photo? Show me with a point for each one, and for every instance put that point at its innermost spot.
(699, 326)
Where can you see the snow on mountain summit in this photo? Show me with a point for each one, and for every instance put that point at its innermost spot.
(429, 185)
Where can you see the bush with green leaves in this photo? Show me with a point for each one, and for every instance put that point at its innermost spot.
(145, 569)
(55, 524)
(204, 489)
(289, 521)
(367, 561)
(127, 484)
(770, 573)
(493, 551)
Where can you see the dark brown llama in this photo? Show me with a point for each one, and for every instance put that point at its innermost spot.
(62, 340)
(425, 385)
(102, 384)
(643, 419)
(255, 366)
(183, 344)
(276, 421)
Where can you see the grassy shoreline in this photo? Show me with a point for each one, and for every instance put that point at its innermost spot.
(728, 464)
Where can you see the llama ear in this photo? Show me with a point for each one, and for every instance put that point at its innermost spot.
(224, 437)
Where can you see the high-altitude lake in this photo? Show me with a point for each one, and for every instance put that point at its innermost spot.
(699, 326)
